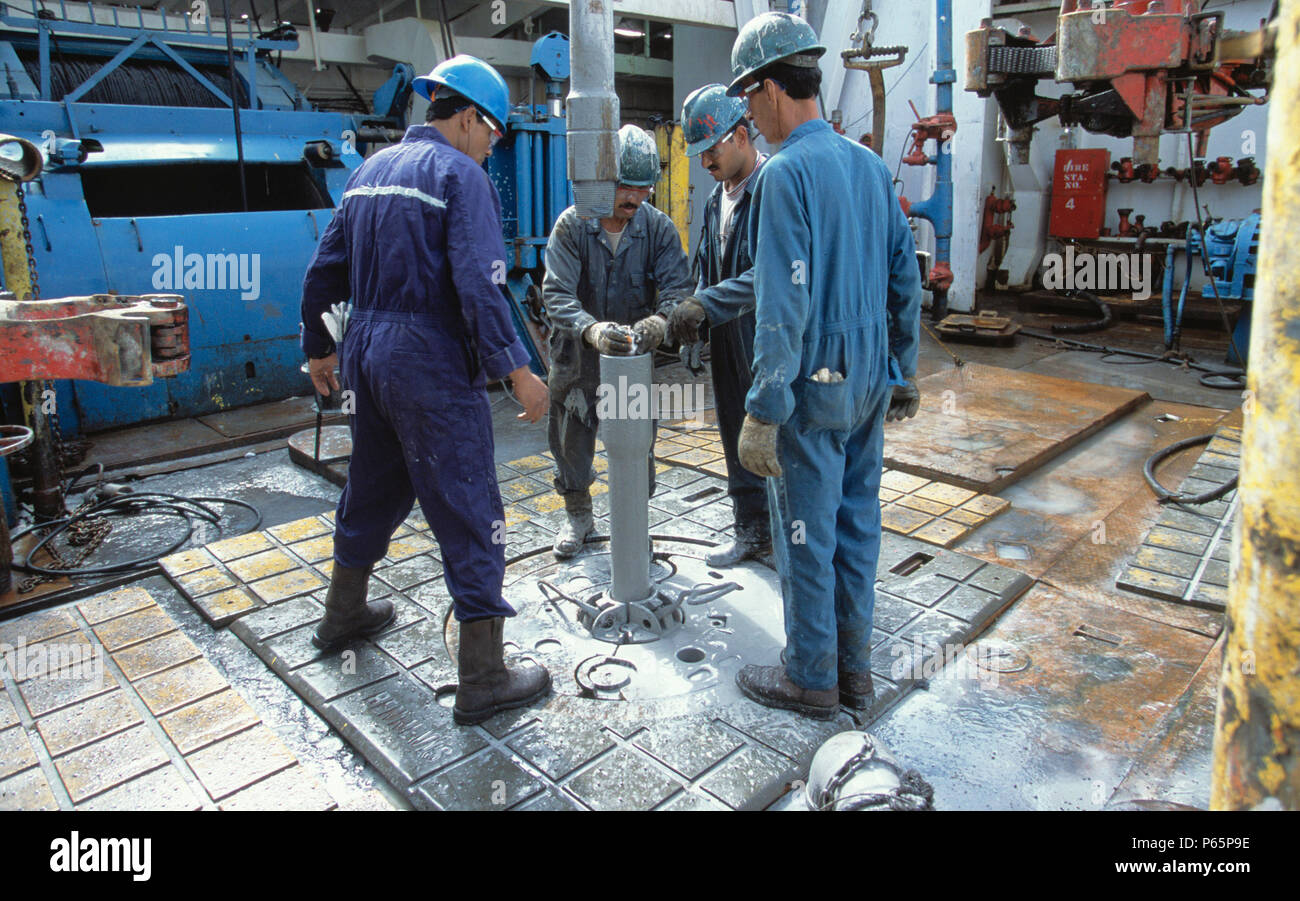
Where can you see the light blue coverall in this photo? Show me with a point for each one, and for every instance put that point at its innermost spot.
(837, 286)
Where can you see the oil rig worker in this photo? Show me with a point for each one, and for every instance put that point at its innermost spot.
(717, 129)
(415, 244)
(610, 285)
(838, 291)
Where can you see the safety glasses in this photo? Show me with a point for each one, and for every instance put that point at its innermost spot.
(496, 134)
(717, 148)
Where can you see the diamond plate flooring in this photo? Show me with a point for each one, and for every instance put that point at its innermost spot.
(106, 705)
(1186, 556)
(704, 748)
(911, 505)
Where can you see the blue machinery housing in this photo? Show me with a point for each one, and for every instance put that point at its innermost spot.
(141, 191)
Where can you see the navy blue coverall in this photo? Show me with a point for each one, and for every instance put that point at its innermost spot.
(726, 291)
(416, 244)
(837, 287)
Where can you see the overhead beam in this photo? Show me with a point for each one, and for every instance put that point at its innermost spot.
(507, 54)
(709, 13)
(490, 19)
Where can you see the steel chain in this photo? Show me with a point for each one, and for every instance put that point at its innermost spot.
(913, 792)
(27, 242)
(87, 534)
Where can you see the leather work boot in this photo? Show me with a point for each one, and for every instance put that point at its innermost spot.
(771, 687)
(487, 686)
(856, 690)
(748, 544)
(347, 614)
(579, 525)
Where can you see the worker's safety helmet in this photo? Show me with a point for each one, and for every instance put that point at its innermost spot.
(770, 38)
(474, 80)
(708, 115)
(638, 157)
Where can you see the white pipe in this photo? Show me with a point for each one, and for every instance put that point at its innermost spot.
(311, 17)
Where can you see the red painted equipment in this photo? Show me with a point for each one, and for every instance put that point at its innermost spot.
(991, 229)
(1140, 68)
(1079, 193)
(117, 340)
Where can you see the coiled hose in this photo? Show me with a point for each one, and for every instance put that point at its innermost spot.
(131, 504)
(1173, 497)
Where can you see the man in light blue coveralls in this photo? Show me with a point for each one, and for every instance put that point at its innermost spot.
(415, 243)
(838, 293)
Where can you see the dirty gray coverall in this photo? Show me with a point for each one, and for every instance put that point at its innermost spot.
(586, 283)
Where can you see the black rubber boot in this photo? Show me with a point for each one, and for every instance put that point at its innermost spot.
(771, 687)
(748, 544)
(487, 686)
(347, 614)
(579, 525)
(856, 690)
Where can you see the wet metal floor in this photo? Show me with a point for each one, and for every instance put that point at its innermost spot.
(1080, 694)
(635, 725)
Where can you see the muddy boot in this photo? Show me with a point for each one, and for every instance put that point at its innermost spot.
(347, 615)
(856, 690)
(579, 524)
(771, 687)
(487, 686)
(749, 543)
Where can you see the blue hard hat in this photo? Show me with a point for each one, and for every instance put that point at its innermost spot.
(707, 115)
(638, 157)
(474, 80)
(770, 38)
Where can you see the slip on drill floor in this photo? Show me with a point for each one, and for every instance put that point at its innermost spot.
(598, 742)
(106, 705)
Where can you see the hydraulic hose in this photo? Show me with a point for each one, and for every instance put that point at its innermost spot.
(1077, 328)
(132, 504)
(1172, 497)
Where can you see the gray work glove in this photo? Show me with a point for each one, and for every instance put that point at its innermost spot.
(685, 320)
(649, 333)
(904, 403)
(690, 355)
(609, 338)
(757, 449)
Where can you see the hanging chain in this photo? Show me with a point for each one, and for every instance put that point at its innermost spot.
(27, 242)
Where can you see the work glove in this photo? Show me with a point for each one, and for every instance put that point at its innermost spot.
(685, 320)
(609, 338)
(904, 403)
(757, 449)
(690, 355)
(649, 333)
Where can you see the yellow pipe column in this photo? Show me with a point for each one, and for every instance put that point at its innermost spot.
(1257, 728)
(13, 249)
(673, 192)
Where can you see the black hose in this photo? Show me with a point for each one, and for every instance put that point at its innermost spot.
(127, 505)
(1172, 497)
(1155, 358)
(1224, 381)
(1077, 328)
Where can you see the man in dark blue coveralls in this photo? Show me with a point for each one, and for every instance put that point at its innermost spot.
(716, 128)
(415, 243)
(838, 294)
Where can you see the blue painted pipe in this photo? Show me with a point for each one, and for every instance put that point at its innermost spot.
(937, 208)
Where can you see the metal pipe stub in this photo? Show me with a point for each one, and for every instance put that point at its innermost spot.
(627, 428)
